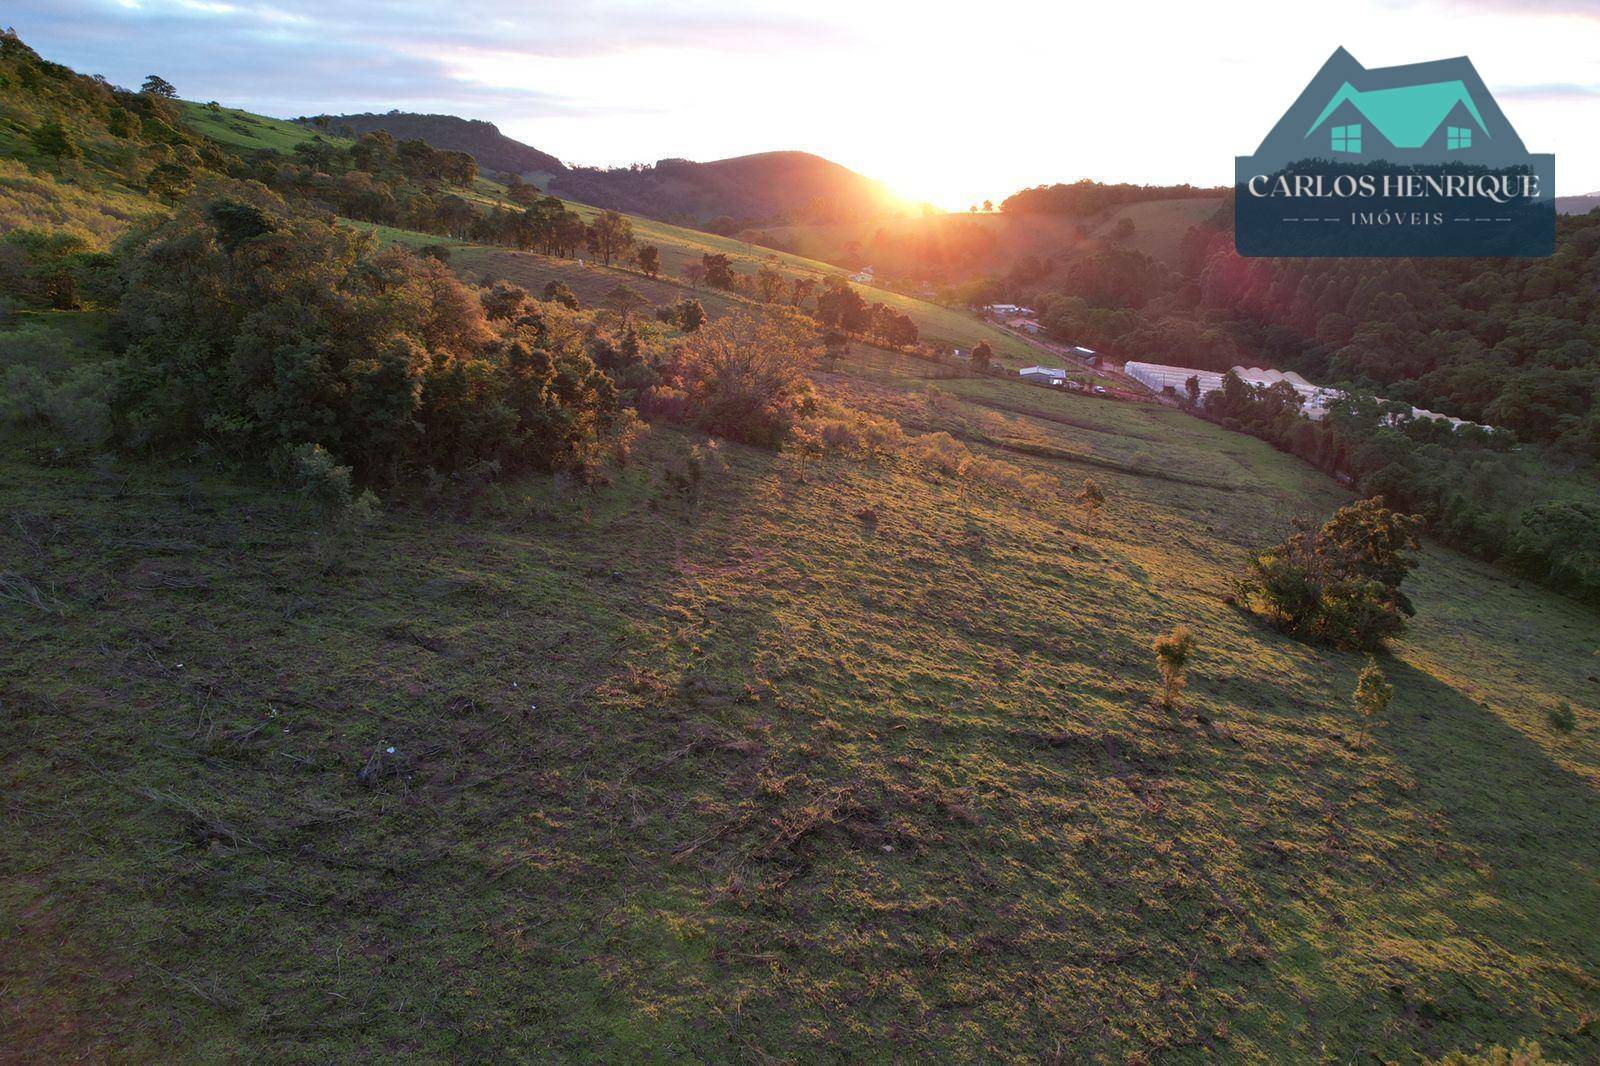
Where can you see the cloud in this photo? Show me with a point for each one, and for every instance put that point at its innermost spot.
(1559, 91)
(299, 56)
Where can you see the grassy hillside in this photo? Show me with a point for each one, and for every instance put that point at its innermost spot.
(482, 140)
(679, 247)
(243, 129)
(816, 753)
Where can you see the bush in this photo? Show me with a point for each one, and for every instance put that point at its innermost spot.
(1173, 652)
(741, 377)
(75, 403)
(836, 429)
(1339, 585)
(1561, 718)
(1371, 698)
(329, 487)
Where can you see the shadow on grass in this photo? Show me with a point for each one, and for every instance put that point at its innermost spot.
(1533, 823)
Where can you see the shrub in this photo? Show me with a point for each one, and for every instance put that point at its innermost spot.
(1173, 650)
(1525, 1053)
(1371, 698)
(1561, 718)
(743, 378)
(835, 428)
(1091, 498)
(1339, 585)
(558, 292)
(76, 403)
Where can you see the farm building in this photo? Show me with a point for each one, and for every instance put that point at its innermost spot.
(1043, 375)
(1009, 311)
(1159, 378)
(1314, 399)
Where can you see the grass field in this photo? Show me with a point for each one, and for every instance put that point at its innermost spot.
(824, 760)
(245, 129)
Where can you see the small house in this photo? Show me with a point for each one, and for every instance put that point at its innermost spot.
(1044, 375)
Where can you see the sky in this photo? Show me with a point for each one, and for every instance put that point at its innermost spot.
(948, 103)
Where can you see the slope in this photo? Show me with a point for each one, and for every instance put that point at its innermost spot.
(767, 185)
(482, 140)
(817, 752)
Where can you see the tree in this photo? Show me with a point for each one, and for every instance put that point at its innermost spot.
(988, 205)
(1340, 584)
(834, 345)
(650, 261)
(718, 270)
(1191, 389)
(610, 235)
(53, 140)
(842, 308)
(1173, 651)
(169, 180)
(156, 85)
(769, 282)
(1091, 498)
(1372, 696)
(694, 274)
(982, 357)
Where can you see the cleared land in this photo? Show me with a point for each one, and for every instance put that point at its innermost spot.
(825, 759)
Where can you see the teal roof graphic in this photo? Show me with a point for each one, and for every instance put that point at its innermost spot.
(1407, 116)
(1435, 112)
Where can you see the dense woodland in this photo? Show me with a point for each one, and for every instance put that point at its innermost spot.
(1080, 199)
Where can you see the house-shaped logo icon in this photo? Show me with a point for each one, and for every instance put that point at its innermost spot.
(1407, 160)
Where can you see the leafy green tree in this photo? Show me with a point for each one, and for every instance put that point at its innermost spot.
(1340, 584)
(769, 282)
(718, 270)
(650, 261)
(982, 357)
(156, 85)
(611, 235)
(54, 141)
(261, 331)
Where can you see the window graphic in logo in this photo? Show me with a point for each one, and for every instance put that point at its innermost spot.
(1415, 160)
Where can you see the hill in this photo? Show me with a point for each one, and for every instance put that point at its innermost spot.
(1577, 205)
(713, 751)
(648, 769)
(493, 150)
(768, 185)
(763, 186)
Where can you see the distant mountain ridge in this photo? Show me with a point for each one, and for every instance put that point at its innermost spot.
(767, 186)
(1578, 205)
(764, 187)
(482, 140)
